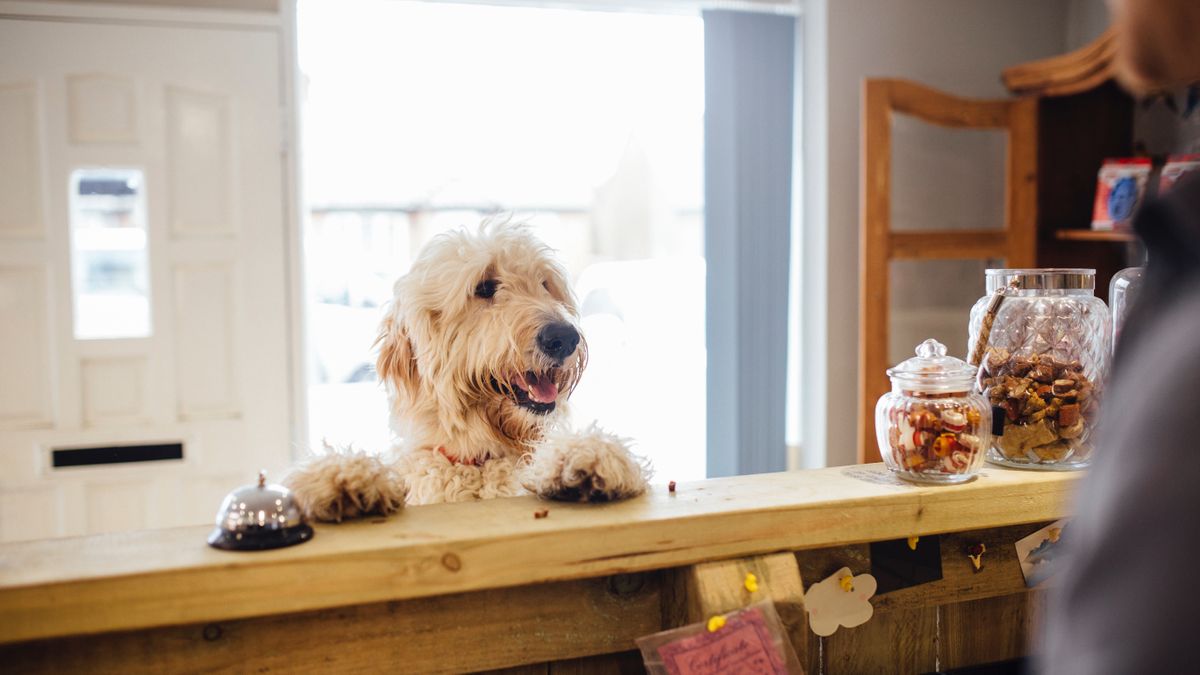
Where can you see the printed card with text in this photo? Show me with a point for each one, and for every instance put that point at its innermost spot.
(751, 641)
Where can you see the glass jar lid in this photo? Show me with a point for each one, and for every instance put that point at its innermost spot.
(932, 372)
(1048, 278)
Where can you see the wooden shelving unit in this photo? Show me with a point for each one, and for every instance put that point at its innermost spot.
(1094, 235)
(1084, 117)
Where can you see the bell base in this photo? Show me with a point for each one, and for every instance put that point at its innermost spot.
(260, 541)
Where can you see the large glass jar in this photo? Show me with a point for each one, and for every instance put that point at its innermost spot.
(933, 427)
(1041, 340)
(1123, 291)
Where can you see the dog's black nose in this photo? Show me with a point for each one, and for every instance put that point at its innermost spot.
(558, 340)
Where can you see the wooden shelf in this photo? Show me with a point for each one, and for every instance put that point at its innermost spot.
(1067, 74)
(1094, 235)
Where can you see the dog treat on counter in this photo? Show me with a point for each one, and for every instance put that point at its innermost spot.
(1047, 405)
(935, 436)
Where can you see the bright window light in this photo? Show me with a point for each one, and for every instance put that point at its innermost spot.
(419, 117)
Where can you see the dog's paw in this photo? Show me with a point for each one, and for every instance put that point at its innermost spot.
(346, 484)
(588, 466)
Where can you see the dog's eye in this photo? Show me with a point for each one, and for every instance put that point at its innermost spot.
(486, 288)
(546, 285)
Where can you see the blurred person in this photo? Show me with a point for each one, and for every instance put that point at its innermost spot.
(1126, 601)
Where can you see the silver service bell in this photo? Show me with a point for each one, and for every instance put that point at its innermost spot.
(259, 517)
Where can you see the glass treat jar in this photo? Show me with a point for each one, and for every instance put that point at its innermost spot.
(1041, 340)
(1122, 293)
(933, 427)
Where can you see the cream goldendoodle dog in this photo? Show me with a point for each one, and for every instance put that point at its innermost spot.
(480, 350)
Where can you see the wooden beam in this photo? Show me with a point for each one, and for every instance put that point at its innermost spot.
(937, 107)
(948, 244)
(1021, 185)
(700, 591)
(696, 593)
(966, 618)
(1066, 74)
(170, 577)
(989, 630)
(446, 634)
(1000, 575)
(876, 218)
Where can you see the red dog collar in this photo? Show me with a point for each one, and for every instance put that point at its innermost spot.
(455, 459)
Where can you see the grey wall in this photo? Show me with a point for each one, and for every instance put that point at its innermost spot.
(1086, 20)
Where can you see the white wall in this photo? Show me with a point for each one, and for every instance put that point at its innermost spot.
(960, 46)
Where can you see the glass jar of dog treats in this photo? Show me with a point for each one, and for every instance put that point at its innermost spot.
(933, 427)
(1041, 340)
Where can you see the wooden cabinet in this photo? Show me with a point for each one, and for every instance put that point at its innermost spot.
(1084, 117)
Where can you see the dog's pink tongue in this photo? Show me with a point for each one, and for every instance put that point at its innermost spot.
(541, 388)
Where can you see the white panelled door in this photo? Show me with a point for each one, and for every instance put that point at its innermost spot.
(143, 285)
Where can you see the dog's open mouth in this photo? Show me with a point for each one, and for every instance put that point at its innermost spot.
(536, 392)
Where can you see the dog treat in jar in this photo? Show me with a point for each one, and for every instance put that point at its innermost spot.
(1041, 339)
(933, 427)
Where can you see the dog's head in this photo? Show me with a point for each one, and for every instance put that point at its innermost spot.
(484, 327)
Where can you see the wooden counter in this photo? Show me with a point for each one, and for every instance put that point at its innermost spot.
(464, 586)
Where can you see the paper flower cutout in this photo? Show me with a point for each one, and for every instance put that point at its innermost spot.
(829, 605)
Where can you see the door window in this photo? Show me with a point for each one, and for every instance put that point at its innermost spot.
(109, 261)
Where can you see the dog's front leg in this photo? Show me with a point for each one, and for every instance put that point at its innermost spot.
(346, 484)
(586, 466)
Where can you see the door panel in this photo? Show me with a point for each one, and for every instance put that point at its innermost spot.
(25, 383)
(188, 121)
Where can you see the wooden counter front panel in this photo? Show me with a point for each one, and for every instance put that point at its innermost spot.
(966, 618)
(468, 587)
(454, 633)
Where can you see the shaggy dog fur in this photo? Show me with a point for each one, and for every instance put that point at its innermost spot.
(478, 396)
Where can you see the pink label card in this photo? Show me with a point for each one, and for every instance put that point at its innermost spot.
(744, 646)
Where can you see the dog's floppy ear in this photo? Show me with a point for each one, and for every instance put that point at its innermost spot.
(396, 365)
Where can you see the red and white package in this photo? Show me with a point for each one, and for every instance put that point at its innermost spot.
(1176, 168)
(751, 641)
(1120, 188)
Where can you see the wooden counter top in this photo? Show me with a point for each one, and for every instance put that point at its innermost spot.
(169, 577)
